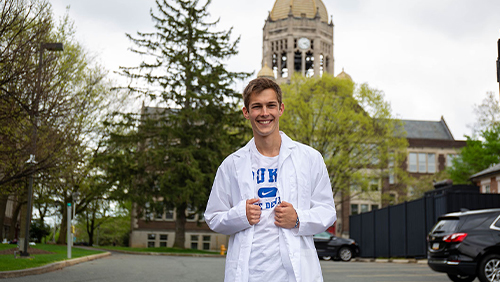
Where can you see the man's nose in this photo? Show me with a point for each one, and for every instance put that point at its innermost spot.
(264, 111)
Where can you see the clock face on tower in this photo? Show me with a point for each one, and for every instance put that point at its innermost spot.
(304, 43)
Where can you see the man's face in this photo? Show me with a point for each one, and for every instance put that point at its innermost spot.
(264, 112)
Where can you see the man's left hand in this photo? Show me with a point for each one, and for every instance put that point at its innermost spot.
(285, 215)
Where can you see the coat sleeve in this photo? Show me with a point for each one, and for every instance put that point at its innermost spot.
(321, 213)
(221, 215)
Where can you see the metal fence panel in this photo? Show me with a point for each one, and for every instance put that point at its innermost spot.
(382, 238)
(397, 232)
(367, 236)
(415, 228)
(355, 228)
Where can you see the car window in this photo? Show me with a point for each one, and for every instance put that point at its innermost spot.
(475, 221)
(322, 235)
(448, 225)
(496, 223)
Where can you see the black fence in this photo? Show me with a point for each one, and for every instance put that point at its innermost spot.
(401, 230)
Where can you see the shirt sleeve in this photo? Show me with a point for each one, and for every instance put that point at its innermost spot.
(321, 213)
(221, 215)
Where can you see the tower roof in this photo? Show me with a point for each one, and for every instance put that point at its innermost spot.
(299, 8)
(344, 75)
(266, 71)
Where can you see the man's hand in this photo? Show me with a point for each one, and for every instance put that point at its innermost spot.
(253, 211)
(285, 215)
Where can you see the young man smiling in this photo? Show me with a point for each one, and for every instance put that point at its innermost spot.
(271, 197)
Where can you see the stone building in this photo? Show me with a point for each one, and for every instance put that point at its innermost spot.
(297, 37)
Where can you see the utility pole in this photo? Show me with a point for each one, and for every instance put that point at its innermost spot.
(498, 66)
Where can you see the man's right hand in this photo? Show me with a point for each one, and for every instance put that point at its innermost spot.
(253, 211)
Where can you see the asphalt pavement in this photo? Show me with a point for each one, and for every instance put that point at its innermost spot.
(121, 267)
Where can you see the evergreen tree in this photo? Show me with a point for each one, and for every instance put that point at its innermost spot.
(183, 142)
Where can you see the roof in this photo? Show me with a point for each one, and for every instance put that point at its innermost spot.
(419, 129)
(266, 71)
(309, 8)
(491, 170)
(344, 75)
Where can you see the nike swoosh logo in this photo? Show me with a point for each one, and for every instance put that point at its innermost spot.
(265, 193)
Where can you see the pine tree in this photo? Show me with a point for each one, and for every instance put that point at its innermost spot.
(184, 141)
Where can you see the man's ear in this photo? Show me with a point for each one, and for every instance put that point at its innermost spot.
(246, 113)
(282, 108)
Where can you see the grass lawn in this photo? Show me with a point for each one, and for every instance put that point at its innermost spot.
(8, 262)
(158, 250)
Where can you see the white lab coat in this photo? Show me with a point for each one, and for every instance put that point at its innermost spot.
(302, 181)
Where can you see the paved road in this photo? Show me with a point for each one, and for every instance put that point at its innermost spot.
(132, 268)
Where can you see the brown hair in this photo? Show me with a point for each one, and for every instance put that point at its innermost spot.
(257, 86)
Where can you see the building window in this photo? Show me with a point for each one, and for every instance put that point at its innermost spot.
(169, 214)
(354, 209)
(449, 159)
(163, 240)
(364, 208)
(194, 241)
(206, 242)
(374, 207)
(421, 162)
(412, 159)
(487, 189)
(373, 185)
(151, 240)
(392, 179)
(431, 163)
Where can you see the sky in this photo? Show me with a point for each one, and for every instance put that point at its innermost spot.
(431, 58)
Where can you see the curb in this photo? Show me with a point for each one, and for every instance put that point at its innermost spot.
(167, 254)
(399, 261)
(50, 267)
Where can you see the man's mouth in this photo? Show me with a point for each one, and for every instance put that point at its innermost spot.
(264, 121)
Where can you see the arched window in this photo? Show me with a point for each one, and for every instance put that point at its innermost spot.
(297, 61)
(309, 64)
(321, 64)
(275, 64)
(284, 68)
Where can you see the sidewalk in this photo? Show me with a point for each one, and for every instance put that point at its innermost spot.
(50, 267)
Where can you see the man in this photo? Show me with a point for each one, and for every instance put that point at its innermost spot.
(271, 196)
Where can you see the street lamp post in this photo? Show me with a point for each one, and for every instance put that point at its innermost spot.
(498, 66)
(34, 119)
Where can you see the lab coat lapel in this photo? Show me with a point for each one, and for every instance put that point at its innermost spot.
(285, 151)
(243, 166)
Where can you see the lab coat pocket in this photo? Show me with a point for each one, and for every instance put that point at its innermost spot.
(309, 267)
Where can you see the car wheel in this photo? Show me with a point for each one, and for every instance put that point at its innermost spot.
(345, 254)
(326, 257)
(489, 268)
(461, 278)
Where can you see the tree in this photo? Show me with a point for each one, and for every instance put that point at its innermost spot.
(487, 114)
(71, 102)
(477, 155)
(183, 144)
(352, 128)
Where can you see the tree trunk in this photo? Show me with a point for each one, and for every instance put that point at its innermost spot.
(13, 222)
(63, 229)
(3, 207)
(180, 228)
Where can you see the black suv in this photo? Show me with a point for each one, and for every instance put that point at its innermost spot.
(466, 244)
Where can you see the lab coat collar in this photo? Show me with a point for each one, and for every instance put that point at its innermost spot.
(243, 163)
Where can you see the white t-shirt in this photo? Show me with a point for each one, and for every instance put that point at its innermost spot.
(265, 258)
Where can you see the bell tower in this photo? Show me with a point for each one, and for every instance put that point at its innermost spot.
(298, 38)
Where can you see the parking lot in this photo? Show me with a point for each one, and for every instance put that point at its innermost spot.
(124, 268)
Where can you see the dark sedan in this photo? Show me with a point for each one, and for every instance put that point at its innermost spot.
(329, 246)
